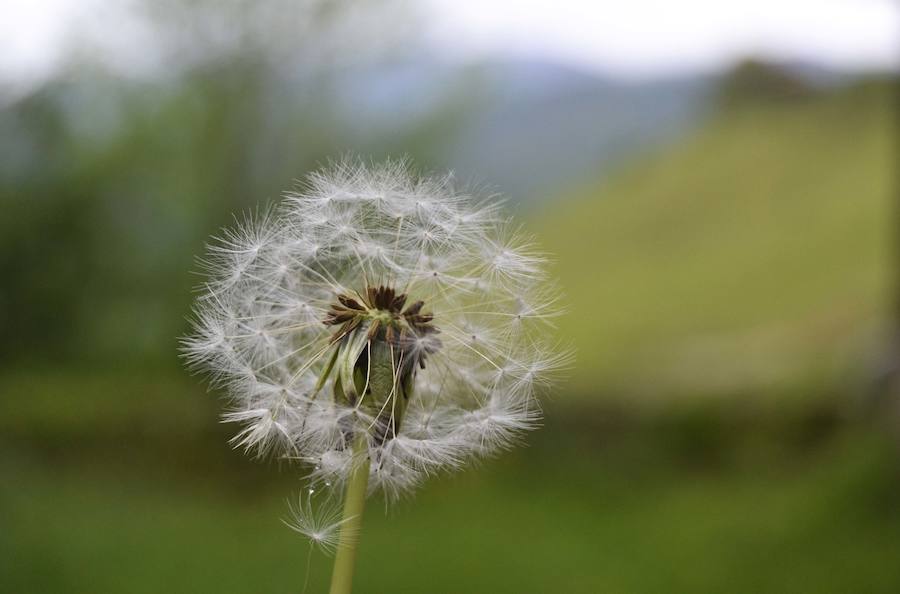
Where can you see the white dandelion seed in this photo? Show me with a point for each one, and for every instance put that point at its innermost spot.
(379, 325)
(320, 524)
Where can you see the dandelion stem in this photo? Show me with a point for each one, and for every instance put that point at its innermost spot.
(354, 502)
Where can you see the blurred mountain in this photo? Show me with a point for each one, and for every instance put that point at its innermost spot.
(756, 81)
(532, 128)
(526, 128)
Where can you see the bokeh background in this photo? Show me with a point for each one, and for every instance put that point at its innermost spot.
(717, 182)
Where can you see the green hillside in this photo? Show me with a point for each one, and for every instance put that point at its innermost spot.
(755, 254)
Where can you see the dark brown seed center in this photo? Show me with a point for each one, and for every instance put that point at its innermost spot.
(382, 308)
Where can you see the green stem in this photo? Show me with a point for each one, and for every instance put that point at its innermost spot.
(354, 503)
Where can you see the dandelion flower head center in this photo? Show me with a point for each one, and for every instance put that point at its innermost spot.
(382, 311)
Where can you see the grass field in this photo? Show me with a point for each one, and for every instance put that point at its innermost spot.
(144, 495)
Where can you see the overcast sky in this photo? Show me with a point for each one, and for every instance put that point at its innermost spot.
(637, 38)
(646, 37)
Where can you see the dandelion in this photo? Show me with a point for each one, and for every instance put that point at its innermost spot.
(379, 326)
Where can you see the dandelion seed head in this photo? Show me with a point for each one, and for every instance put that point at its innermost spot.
(378, 302)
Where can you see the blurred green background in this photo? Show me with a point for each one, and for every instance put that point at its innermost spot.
(726, 241)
